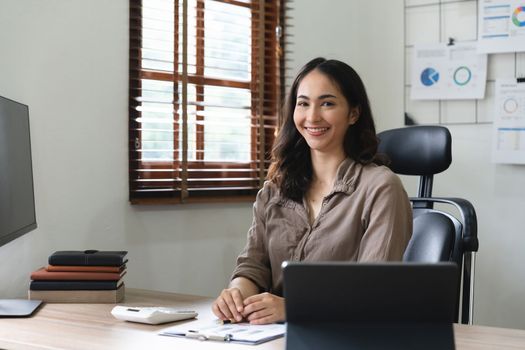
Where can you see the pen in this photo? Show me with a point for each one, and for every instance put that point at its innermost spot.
(223, 322)
(201, 336)
(195, 334)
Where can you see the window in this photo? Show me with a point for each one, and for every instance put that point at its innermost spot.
(205, 84)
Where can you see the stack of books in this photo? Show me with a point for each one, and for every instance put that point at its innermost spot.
(89, 276)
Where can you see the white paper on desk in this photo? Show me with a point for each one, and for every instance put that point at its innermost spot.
(244, 333)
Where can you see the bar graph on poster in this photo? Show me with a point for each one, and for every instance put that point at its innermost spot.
(509, 122)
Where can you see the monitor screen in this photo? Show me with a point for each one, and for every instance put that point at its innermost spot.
(17, 203)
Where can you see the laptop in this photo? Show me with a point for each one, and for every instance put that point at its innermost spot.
(18, 307)
(348, 305)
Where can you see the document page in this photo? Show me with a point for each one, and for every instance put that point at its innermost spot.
(509, 122)
(501, 26)
(233, 332)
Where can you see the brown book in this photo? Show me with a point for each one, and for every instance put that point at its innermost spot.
(67, 268)
(79, 296)
(43, 275)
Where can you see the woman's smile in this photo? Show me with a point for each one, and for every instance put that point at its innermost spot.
(316, 131)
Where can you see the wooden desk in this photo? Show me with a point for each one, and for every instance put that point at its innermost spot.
(91, 326)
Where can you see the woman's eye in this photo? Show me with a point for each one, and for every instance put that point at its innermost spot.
(302, 104)
(327, 104)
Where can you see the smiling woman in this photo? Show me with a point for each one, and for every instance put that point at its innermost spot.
(327, 196)
(338, 94)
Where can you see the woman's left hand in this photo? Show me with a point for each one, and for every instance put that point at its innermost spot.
(264, 308)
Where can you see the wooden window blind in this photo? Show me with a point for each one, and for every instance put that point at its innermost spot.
(205, 85)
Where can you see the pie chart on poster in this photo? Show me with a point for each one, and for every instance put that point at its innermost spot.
(518, 17)
(462, 76)
(510, 105)
(429, 76)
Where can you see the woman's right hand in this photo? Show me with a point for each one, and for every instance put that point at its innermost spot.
(229, 305)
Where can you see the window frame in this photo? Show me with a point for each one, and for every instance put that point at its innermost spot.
(270, 97)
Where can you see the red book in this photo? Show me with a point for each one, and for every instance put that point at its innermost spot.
(67, 268)
(43, 275)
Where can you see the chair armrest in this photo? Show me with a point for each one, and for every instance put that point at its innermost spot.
(468, 215)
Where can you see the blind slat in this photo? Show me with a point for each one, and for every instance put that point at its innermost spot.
(269, 7)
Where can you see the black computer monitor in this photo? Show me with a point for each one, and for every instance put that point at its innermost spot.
(17, 200)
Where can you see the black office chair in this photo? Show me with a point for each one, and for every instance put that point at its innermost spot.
(437, 235)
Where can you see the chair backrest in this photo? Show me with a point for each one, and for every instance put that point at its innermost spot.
(437, 235)
(418, 150)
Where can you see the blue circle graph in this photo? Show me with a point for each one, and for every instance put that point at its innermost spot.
(462, 76)
(429, 76)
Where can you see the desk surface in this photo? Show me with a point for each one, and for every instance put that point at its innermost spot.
(91, 326)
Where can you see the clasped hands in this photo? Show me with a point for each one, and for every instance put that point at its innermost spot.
(257, 309)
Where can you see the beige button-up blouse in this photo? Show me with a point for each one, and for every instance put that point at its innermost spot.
(366, 217)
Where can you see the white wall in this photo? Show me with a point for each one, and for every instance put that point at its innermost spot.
(369, 36)
(67, 60)
(340, 29)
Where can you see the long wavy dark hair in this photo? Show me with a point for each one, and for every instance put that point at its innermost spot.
(291, 168)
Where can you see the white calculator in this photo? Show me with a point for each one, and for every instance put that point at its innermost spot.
(151, 315)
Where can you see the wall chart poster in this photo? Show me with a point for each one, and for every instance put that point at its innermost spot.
(509, 122)
(441, 71)
(501, 26)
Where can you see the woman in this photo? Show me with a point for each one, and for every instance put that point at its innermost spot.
(327, 196)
